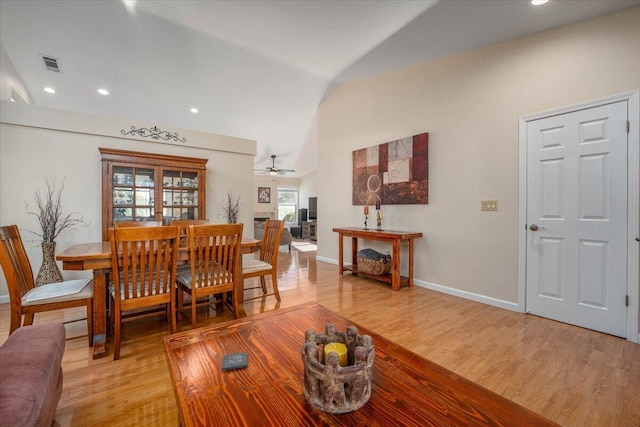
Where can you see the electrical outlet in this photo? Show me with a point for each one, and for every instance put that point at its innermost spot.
(488, 205)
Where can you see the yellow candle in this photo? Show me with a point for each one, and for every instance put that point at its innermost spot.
(338, 348)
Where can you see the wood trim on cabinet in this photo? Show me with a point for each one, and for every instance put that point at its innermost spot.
(138, 157)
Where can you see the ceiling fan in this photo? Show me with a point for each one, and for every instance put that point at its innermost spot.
(273, 170)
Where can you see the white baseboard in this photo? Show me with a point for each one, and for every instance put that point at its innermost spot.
(507, 305)
(327, 260)
(4, 299)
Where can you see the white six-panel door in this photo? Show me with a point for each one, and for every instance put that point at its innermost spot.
(576, 261)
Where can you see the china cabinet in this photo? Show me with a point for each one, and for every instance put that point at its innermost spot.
(140, 186)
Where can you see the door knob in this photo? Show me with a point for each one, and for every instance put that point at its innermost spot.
(534, 227)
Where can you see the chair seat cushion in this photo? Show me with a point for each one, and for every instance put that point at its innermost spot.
(183, 269)
(186, 281)
(61, 291)
(255, 265)
(112, 289)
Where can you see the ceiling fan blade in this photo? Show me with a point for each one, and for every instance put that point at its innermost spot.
(273, 169)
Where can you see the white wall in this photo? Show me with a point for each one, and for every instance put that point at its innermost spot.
(308, 188)
(271, 182)
(37, 143)
(470, 105)
(10, 81)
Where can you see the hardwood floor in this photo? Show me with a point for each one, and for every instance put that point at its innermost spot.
(570, 375)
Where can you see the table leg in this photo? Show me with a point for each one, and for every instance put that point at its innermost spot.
(340, 254)
(237, 296)
(354, 254)
(410, 262)
(99, 313)
(395, 265)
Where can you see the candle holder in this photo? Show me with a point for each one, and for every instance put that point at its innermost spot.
(365, 222)
(379, 222)
(328, 385)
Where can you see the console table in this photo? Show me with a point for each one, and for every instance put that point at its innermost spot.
(395, 237)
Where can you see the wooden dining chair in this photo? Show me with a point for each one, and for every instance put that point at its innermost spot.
(122, 224)
(268, 262)
(214, 252)
(27, 299)
(143, 264)
(183, 227)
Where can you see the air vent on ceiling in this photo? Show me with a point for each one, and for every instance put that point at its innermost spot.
(50, 63)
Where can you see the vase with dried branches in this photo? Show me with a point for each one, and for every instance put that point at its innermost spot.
(52, 222)
(231, 207)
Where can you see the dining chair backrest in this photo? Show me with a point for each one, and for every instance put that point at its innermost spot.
(143, 261)
(183, 227)
(214, 254)
(15, 263)
(123, 224)
(271, 241)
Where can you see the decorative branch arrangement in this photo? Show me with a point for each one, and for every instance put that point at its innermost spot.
(154, 133)
(52, 220)
(231, 207)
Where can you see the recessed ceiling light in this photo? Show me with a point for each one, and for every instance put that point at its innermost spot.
(130, 5)
(194, 110)
(50, 90)
(103, 92)
(538, 2)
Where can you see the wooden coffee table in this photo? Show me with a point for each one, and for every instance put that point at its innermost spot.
(407, 389)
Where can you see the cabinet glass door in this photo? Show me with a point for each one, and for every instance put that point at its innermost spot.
(133, 194)
(179, 195)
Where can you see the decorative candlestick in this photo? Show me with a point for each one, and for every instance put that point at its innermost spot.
(366, 215)
(379, 209)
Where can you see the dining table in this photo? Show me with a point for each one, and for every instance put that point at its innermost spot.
(96, 256)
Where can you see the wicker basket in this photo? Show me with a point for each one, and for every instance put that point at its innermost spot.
(373, 262)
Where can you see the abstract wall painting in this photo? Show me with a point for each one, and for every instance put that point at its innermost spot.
(394, 173)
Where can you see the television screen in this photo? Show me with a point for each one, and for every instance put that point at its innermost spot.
(313, 208)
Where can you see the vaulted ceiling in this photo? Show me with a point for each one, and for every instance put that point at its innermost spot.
(253, 69)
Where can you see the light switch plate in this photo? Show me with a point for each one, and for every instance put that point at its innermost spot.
(489, 205)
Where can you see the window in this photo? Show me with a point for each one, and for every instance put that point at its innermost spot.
(288, 204)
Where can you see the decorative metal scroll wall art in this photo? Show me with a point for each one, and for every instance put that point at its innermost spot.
(154, 133)
(393, 173)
